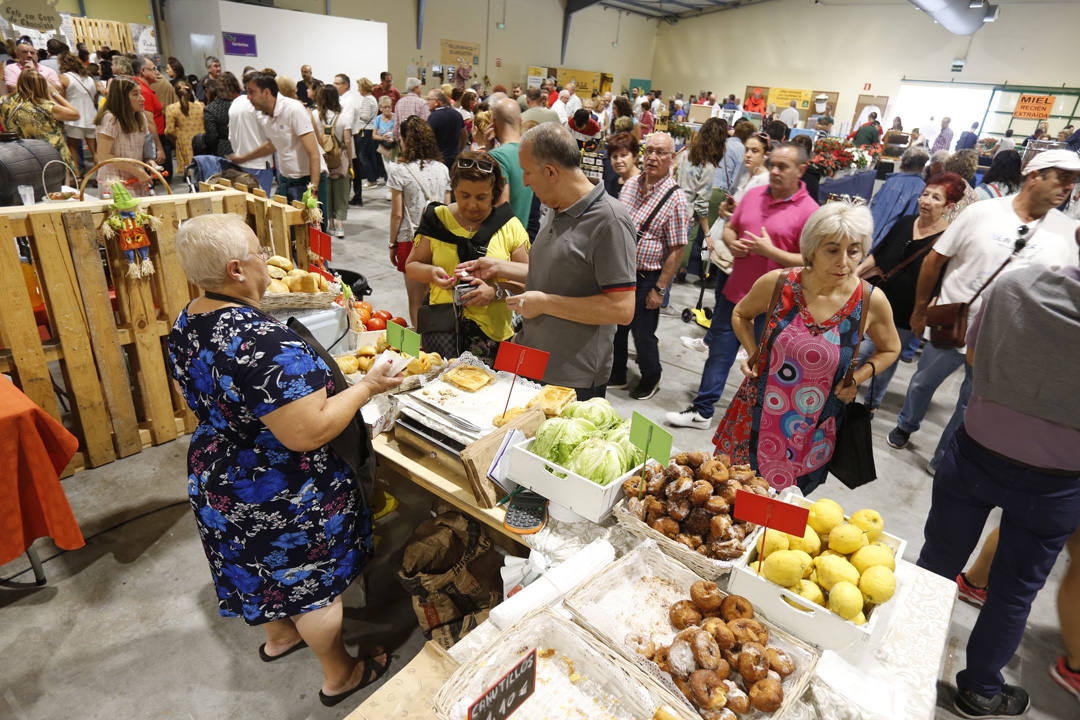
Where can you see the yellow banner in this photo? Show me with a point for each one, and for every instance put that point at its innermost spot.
(1034, 107)
(782, 97)
(585, 81)
(460, 52)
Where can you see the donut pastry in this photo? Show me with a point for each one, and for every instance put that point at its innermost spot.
(679, 489)
(706, 596)
(666, 526)
(780, 661)
(634, 486)
(706, 651)
(767, 695)
(678, 510)
(726, 550)
(698, 522)
(701, 491)
(683, 614)
(660, 657)
(641, 644)
(655, 508)
(719, 526)
(736, 606)
(636, 507)
(749, 630)
(716, 505)
(731, 656)
(675, 471)
(681, 658)
(708, 689)
(753, 664)
(720, 631)
(684, 687)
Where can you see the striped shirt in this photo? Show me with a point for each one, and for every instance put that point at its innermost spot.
(668, 229)
(410, 104)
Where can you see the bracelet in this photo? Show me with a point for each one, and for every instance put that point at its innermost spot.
(873, 369)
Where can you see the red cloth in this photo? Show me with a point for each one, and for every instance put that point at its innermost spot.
(34, 449)
(755, 104)
(152, 105)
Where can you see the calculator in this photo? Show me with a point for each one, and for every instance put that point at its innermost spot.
(526, 513)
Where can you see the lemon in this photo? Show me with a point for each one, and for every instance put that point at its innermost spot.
(809, 543)
(845, 600)
(846, 539)
(810, 591)
(878, 584)
(824, 515)
(785, 567)
(773, 541)
(832, 569)
(883, 545)
(870, 556)
(859, 619)
(870, 522)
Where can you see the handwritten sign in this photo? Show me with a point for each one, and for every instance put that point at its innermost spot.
(508, 693)
(654, 440)
(1034, 107)
(32, 14)
(403, 339)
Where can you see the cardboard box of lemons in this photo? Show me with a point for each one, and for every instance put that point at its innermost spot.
(824, 515)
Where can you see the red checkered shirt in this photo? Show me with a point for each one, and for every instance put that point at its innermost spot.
(410, 104)
(668, 230)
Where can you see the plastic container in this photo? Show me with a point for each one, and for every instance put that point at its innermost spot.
(559, 485)
(808, 621)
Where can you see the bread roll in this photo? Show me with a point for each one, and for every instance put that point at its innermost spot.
(309, 284)
(324, 286)
(275, 272)
(348, 364)
(276, 286)
(368, 350)
(294, 283)
(282, 262)
(365, 362)
(297, 272)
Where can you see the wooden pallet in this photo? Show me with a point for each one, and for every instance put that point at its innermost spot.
(108, 355)
(97, 33)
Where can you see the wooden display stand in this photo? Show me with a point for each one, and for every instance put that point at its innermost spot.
(103, 331)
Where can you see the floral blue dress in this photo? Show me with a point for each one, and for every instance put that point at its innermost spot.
(285, 532)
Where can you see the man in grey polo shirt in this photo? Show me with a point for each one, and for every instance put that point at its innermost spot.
(582, 271)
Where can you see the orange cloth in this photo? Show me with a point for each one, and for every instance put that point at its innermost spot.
(34, 449)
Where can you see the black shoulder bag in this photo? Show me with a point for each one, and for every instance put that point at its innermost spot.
(438, 324)
(853, 457)
(648, 221)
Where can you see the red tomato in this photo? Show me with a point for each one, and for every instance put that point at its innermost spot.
(364, 314)
(384, 314)
(366, 305)
(376, 323)
(401, 321)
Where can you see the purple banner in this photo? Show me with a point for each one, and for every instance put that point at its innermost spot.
(239, 44)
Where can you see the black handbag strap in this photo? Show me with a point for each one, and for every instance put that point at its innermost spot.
(469, 248)
(1017, 247)
(867, 289)
(656, 209)
(921, 253)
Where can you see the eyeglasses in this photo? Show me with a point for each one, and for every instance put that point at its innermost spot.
(1021, 239)
(468, 164)
(655, 151)
(263, 253)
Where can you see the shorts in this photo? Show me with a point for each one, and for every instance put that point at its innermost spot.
(78, 133)
(401, 254)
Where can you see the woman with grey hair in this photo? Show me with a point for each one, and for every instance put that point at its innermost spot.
(783, 420)
(964, 163)
(281, 513)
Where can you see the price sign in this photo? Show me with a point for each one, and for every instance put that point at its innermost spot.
(403, 339)
(650, 437)
(520, 360)
(508, 693)
(771, 513)
(319, 242)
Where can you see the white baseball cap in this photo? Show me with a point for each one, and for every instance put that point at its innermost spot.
(1062, 159)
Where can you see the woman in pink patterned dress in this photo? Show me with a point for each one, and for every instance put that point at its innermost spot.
(783, 419)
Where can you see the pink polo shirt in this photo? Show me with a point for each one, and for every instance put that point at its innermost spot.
(783, 219)
(13, 70)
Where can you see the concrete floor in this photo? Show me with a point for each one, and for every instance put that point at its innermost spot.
(128, 626)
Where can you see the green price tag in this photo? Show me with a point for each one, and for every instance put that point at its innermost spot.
(403, 339)
(650, 437)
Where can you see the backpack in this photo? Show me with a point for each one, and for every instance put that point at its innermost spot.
(331, 146)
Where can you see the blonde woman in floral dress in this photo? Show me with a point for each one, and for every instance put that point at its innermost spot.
(183, 121)
(36, 111)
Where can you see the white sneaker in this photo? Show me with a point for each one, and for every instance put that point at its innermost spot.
(688, 418)
(340, 232)
(694, 343)
(370, 184)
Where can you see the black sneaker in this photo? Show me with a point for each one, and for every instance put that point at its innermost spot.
(356, 201)
(1012, 701)
(617, 381)
(645, 389)
(898, 438)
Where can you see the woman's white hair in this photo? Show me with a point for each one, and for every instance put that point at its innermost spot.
(206, 244)
(836, 220)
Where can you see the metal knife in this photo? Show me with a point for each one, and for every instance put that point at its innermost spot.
(460, 422)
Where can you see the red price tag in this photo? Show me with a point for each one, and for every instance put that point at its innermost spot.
(319, 242)
(771, 513)
(521, 360)
(317, 269)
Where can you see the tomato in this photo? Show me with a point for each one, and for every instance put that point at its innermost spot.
(401, 321)
(364, 314)
(376, 323)
(365, 305)
(384, 314)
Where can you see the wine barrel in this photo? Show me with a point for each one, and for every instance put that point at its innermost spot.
(21, 162)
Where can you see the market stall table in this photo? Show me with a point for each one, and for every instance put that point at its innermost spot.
(857, 184)
(34, 449)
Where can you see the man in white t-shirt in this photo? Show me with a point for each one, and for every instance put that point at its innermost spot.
(573, 103)
(290, 132)
(559, 106)
(245, 135)
(790, 115)
(1027, 227)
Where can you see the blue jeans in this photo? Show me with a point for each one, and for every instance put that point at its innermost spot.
(935, 365)
(1040, 511)
(884, 377)
(907, 353)
(723, 347)
(643, 329)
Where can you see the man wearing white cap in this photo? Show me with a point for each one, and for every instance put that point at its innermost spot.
(1023, 229)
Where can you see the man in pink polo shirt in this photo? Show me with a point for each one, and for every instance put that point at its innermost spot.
(26, 59)
(763, 234)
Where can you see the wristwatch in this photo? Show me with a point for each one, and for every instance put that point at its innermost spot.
(660, 290)
(500, 294)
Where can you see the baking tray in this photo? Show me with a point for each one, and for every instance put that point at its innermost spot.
(633, 594)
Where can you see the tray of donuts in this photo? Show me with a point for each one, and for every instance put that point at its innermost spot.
(576, 676)
(687, 508)
(710, 650)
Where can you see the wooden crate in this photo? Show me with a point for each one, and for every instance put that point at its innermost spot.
(97, 33)
(104, 332)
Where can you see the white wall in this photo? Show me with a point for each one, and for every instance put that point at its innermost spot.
(840, 46)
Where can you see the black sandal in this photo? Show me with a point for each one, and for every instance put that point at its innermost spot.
(271, 658)
(372, 672)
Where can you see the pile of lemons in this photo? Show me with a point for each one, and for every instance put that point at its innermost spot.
(836, 564)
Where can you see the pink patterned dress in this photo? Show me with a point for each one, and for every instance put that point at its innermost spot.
(783, 422)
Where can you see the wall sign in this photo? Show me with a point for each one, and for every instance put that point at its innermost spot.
(460, 52)
(585, 81)
(239, 44)
(32, 14)
(537, 75)
(782, 97)
(1034, 107)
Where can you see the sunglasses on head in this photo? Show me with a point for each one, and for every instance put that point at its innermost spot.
(482, 165)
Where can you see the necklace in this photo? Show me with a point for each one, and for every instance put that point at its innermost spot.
(227, 298)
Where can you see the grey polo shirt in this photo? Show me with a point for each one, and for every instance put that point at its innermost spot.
(584, 250)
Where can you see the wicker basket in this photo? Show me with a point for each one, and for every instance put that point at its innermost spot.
(300, 300)
(128, 161)
(632, 595)
(706, 567)
(602, 671)
(69, 171)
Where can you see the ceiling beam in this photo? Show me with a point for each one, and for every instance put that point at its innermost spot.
(650, 11)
